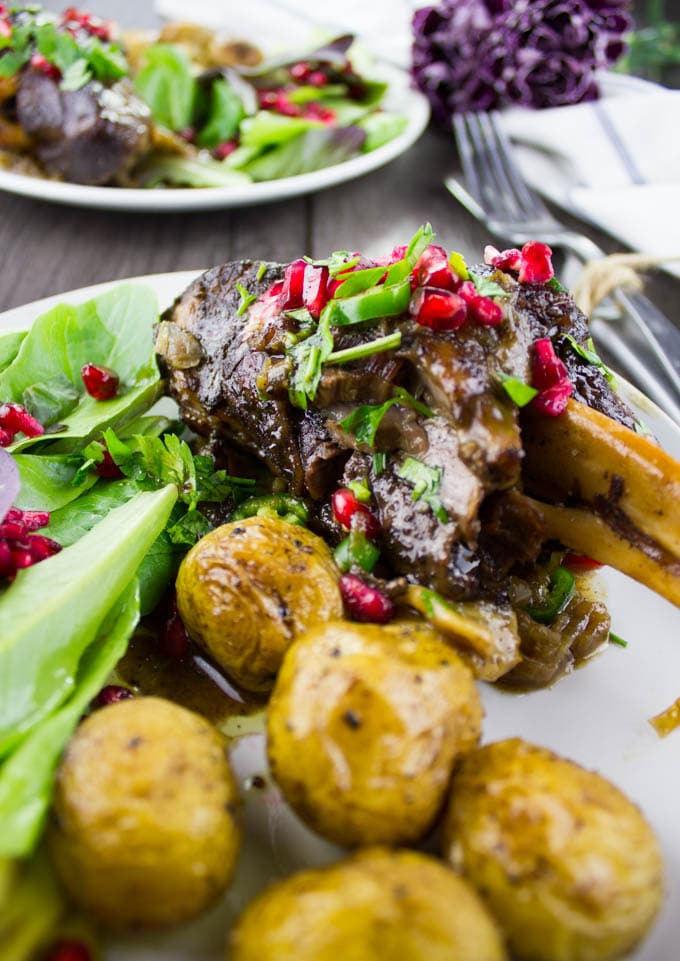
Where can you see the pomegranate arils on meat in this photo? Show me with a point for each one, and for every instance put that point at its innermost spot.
(16, 419)
(173, 638)
(315, 289)
(290, 297)
(100, 382)
(486, 311)
(365, 603)
(553, 400)
(546, 367)
(510, 259)
(112, 694)
(438, 309)
(549, 376)
(300, 71)
(43, 65)
(351, 514)
(536, 263)
(433, 270)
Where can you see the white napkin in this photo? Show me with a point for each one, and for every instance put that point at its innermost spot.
(614, 162)
(384, 26)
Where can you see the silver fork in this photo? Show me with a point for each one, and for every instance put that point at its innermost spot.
(496, 193)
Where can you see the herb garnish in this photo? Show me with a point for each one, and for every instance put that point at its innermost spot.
(615, 639)
(426, 482)
(590, 355)
(364, 421)
(379, 462)
(486, 287)
(377, 346)
(518, 392)
(246, 299)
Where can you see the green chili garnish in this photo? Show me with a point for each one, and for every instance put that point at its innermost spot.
(356, 551)
(379, 462)
(285, 506)
(615, 639)
(517, 390)
(373, 304)
(377, 346)
(560, 592)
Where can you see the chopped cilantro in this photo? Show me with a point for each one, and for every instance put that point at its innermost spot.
(426, 482)
(379, 462)
(246, 299)
(486, 287)
(364, 421)
(309, 356)
(589, 354)
(518, 392)
(554, 284)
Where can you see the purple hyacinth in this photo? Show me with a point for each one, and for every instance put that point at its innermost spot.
(483, 54)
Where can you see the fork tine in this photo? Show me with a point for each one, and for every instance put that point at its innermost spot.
(530, 204)
(497, 161)
(477, 166)
(467, 158)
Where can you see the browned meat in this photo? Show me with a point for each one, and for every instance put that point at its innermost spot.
(465, 540)
(87, 136)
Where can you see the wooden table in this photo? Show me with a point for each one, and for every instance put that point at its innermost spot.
(47, 249)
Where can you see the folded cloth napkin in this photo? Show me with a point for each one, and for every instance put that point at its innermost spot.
(614, 162)
(384, 26)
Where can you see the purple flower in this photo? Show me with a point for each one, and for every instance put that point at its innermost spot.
(483, 54)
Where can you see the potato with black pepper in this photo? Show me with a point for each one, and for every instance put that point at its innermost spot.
(143, 829)
(566, 863)
(378, 905)
(249, 588)
(364, 727)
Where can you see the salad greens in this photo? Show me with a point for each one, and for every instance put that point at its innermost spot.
(167, 83)
(27, 775)
(114, 330)
(66, 621)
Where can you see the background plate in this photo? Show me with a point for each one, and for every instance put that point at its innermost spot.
(596, 716)
(398, 99)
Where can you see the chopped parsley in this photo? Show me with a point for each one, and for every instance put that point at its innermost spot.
(589, 354)
(246, 299)
(518, 392)
(426, 482)
(486, 287)
(364, 421)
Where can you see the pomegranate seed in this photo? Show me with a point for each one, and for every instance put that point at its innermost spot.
(42, 547)
(223, 150)
(33, 520)
(13, 531)
(5, 28)
(317, 78)
(6, 437)
(112, 694)
(21, 558)
(315, 111)
(15, 418)
(536, 264)
(267, 99)
(486, 311)
(100, 382)
(188, 134)
(173, 638)
(300, 71)
(69, 951)
(365, 603)
(433, 270)
(553, 400)
(510, 259)
(398, 253)
(285, 107)
(438, 309)
(315, 289)
(43, 65)
(293, 283)
(6, 566)
(546, 367)
(580, 563)
(351, 513)
(108, 467)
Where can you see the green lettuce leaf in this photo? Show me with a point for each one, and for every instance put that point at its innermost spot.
(168, 86)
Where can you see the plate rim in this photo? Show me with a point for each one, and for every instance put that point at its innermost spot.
(401, 97)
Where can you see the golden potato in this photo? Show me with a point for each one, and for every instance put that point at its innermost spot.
(249, 588)
(143, 829)
(378, 905)
(364, 727)
(565, 862)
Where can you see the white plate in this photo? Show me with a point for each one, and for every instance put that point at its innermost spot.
(596, 716)
(400, 98)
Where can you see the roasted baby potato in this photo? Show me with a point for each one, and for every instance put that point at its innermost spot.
(565, 862)
(364, 727)
(249, 588)
(143, 829)
(378, 905)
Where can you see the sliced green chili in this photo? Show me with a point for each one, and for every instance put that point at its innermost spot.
(356, 550)
(288, 508)
(372, 304)
(560, 592)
